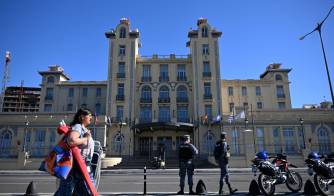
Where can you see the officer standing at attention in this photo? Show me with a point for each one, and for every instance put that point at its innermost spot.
(222, 156)
(187, 151)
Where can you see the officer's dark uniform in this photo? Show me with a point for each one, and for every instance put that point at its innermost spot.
(223, 164)
(187, 151)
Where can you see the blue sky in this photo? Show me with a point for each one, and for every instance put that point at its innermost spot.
(256, 33)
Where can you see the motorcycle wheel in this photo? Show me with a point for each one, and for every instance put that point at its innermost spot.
(322, 187)
(294, 182)
(266, 187)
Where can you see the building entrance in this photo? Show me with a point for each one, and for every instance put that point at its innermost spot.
(165, 147)
(146, 146)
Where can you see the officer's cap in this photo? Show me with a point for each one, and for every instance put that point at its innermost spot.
(186, 137)
(223, 135)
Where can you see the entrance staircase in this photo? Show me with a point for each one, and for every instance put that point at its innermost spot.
(171, 163)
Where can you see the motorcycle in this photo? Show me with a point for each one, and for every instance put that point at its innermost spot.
(323, 167)
(275, 172)
(158, 163)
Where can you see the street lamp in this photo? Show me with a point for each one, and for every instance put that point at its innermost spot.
(26, 123)
(318, 28)
(301, 121)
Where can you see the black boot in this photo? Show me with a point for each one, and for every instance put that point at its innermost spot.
(191, 192)
(220, 192)
(181, 192)
(230, 189)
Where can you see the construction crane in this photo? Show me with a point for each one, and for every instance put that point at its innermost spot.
(5, 79)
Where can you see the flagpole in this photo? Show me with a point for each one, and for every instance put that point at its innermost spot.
(235, 131)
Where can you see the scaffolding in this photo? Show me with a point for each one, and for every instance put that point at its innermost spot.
(5, 80)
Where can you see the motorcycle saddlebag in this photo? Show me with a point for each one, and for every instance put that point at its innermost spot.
(267, 168)
(322, 169)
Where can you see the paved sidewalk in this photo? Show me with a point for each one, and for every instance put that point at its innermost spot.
(138, 171)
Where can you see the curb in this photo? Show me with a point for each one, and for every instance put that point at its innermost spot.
(141, 171)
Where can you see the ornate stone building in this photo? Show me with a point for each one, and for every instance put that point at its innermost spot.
(148, 103)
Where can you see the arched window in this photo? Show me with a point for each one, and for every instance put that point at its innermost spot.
(122, 33)
(324, 140)
(164, 92)
(50, 79)
(181, 92)
(5, 143)
(118, 141)
(146, 92)
(278, 77)
(204, 32)
(209, 142)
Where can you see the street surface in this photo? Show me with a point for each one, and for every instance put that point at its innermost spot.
(130, 182)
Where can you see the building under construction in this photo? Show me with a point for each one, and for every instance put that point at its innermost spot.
(21, 99)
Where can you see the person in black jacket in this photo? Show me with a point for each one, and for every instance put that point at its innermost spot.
(187, 151)
(222, 160)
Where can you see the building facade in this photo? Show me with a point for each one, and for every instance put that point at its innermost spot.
(21, 99)
(149, 102)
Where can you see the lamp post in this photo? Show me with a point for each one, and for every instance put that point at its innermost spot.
(318, 28)
(301, 121)
(26, 123)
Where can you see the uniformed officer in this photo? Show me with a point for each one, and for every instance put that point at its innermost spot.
(223, 164)
(187, 151)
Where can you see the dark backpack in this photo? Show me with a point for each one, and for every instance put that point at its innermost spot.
(219, 149)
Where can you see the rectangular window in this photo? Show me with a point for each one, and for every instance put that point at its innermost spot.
(84, 92)
(259, 105)
(69, 107)
(244, 91)
(290, 140)
(49, 94)
(277, 140)
(205, 49)
(280, 91)
(235, 142)
(98, 92)
(121, 67)
(98, 108)
(71, 92)
(245, 104)
(39, 136)
(181, 72)
(231, 106)
(207, 89)
(120, 89)
(164, 114)
(258, 91)
(121, 50)
(206, 67)
(260, 139)
(182, 114)
(164, 71)
(146, 71)
(119, 114)
(208, 111)
(230, 91)
(204, 32)
(47, 107)
(281, 105)
(145, 114)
